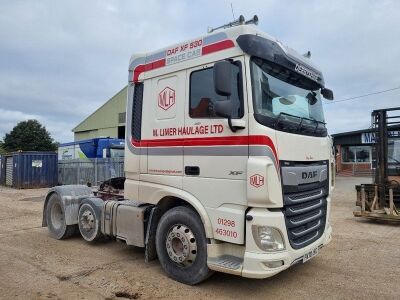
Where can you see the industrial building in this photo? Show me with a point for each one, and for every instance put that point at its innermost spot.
(355, 154)
(107, 121)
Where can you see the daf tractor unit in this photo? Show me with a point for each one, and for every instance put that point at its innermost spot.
(228, 163)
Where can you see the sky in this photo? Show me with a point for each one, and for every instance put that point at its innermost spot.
(61, 60)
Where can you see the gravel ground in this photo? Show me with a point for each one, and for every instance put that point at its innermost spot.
(360, 262)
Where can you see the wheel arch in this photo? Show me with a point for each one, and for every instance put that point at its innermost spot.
(165, 198)
(71, 196)
(168, 202)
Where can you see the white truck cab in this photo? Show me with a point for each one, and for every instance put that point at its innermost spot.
(227, 157)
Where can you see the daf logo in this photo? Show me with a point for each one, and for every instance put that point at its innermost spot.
(309, 175)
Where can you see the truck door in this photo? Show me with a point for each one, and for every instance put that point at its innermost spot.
(163, 109)
(215, 157)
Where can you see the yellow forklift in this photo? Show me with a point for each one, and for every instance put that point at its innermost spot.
(381, 199)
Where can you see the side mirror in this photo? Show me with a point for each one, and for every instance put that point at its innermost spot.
(222, 78)
(223, 108)
(327, 93)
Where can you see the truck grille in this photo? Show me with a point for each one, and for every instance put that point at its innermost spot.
(305, 216)
(305, 209)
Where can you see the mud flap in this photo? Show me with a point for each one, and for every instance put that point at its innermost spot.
(150, 241)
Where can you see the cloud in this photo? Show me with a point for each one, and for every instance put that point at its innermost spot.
(59, 61)
(10, 118)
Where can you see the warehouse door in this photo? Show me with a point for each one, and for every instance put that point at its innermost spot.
(9, 171)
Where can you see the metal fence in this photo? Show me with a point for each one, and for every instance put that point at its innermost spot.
(93, 171)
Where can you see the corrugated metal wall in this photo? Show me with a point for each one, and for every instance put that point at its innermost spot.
(93, 171)
(30, 169)
(9, 170)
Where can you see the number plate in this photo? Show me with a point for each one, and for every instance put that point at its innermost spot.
(310, 255)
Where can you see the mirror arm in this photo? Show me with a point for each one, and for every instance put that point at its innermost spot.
(233, 128)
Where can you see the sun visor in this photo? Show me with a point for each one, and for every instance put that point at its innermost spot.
(258, 46)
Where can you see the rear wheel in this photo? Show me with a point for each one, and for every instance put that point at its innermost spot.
(89, 222)
(55, 217)
(181, 246)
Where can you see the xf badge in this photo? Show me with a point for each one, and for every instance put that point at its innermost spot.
(235, 173)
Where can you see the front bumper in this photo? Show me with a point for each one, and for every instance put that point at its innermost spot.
(256, 262)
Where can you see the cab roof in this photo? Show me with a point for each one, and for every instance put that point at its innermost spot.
(220, 40)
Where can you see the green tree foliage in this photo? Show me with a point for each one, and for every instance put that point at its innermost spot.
(2, 150)
(29, 135)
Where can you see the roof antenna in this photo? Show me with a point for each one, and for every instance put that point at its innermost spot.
(233, 14)
(239, 21)
(307, 54)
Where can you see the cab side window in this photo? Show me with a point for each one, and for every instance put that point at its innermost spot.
(137, 112)
(203, 96)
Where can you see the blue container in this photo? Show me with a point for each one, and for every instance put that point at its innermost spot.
(30, 169)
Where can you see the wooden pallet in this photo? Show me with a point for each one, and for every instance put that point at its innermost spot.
(372, 211)
(377, 216)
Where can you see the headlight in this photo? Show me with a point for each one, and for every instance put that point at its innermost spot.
(268, 238)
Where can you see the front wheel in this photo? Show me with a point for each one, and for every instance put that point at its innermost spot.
(182, 246)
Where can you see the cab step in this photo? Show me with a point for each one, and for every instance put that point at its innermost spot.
(226, 263)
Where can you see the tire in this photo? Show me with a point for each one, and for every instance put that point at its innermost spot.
(182, 246)
(89, 222)
(55, 217)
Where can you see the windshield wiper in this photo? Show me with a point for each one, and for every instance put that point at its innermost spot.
(300, 124)
(285, 114)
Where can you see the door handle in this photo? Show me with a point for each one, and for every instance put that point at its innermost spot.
(192, 170)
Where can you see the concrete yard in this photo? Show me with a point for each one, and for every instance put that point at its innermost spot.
(362, 261)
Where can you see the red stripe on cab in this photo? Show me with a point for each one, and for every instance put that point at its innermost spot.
(218, 46)
(261, 140)
(225, 44)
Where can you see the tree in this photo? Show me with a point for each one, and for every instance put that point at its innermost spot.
(2, 150)
(29, 135)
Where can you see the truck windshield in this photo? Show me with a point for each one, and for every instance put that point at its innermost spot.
(285, 100)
